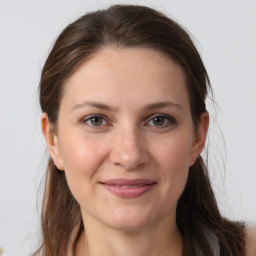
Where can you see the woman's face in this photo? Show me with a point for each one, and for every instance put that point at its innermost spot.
(125, 137)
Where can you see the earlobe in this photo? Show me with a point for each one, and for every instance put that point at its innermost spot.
(200, 136)
(52, 141)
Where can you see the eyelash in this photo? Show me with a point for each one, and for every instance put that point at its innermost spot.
(90, 118)
(168, 120)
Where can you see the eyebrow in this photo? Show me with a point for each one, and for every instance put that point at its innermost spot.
(151, 106)
(94, 104)
(162, 104)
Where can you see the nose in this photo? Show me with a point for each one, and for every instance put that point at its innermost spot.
(129, 150)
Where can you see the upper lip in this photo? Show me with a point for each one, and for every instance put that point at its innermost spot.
(128, 182)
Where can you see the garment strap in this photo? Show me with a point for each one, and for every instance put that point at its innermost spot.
(213, 242)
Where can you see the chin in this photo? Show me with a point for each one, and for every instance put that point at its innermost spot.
(129, 221)
(131, 226)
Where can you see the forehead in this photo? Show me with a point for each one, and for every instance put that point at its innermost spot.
(127, 76)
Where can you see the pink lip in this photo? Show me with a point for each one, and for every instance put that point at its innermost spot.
(128, 188)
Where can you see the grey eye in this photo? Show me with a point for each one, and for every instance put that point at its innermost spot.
(161, 121)
(158, 120)
(96, 121)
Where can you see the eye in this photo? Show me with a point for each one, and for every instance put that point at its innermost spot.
(95, 120)
(161, 121)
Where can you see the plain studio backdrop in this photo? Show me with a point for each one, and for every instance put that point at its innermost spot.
(225, 34)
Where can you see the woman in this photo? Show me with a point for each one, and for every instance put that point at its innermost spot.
(123, 99)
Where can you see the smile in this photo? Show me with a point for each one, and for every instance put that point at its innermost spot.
(128, 188)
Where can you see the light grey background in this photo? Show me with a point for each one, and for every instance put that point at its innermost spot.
(226, 37)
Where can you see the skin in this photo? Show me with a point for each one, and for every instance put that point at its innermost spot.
(251, 241)
(129, 143)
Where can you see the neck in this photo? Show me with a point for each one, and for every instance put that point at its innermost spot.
(159, 239)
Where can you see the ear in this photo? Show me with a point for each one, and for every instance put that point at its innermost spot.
(52, 141)
(200, 137)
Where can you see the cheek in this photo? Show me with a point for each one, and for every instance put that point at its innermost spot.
(174, 159)
(174, 153)
(82, 158)
(81, 153)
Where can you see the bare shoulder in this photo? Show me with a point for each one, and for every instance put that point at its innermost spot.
(251, 241)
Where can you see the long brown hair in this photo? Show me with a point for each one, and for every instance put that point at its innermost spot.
(132, 26)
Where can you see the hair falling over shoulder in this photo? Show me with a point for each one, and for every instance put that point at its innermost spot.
(132, 26)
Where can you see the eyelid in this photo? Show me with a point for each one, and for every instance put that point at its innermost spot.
(171, 119)
(87, 118)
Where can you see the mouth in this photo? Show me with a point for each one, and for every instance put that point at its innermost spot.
(125, 188)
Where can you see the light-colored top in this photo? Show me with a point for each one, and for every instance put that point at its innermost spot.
(72, 240)
(213, 241)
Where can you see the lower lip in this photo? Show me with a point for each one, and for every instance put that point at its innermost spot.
(129, 192)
